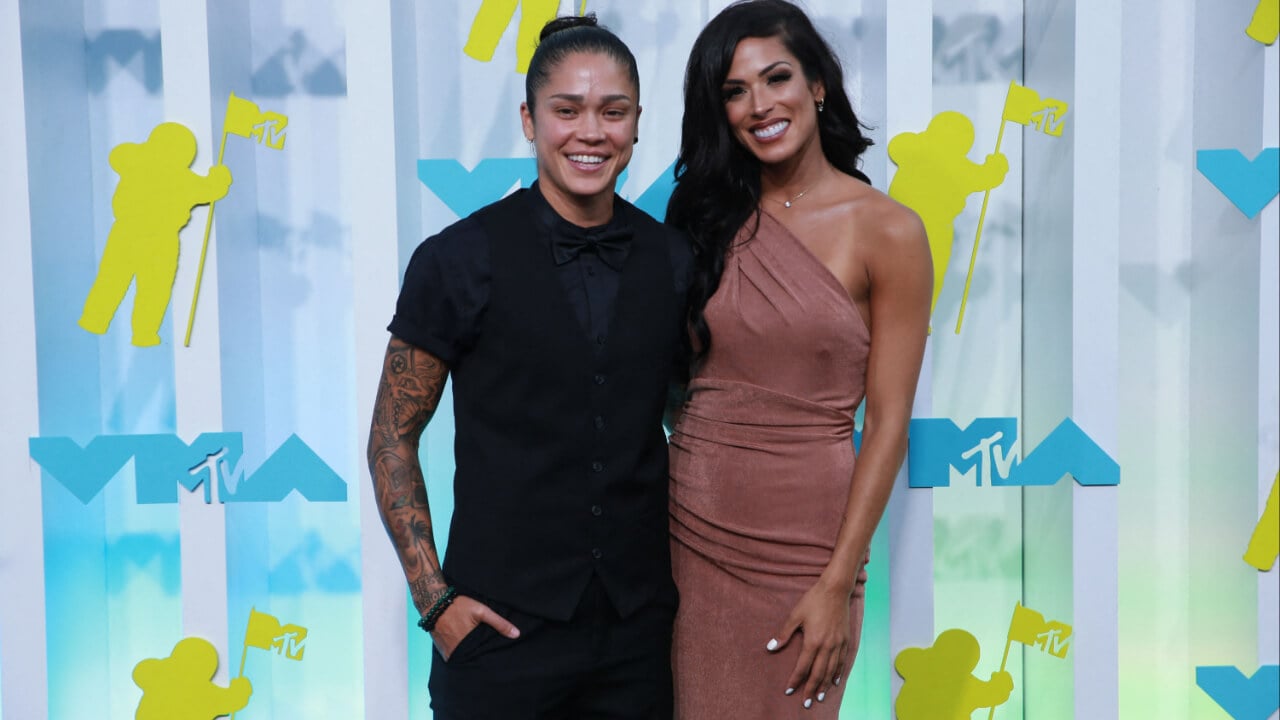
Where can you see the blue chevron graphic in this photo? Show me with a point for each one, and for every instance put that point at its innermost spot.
(465, 192)
(1253, 698)
(1249, 184)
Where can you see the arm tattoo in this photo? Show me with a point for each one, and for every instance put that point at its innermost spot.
(408, 393)
(427, 590)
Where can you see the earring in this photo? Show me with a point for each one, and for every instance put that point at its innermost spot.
(636, 141)
(821, 103)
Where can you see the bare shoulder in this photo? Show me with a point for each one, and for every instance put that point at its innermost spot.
(882, 222)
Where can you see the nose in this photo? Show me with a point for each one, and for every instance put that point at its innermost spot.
(591, 129)
(760, 104)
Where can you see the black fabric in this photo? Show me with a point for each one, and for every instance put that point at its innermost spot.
(445, 289)
(446, 285)
(596, 665)
(561, 462)
(610, 245)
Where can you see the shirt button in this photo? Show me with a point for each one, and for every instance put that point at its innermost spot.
(600, 339)
(595, 553)
(599, 379)
(597, 510)
(597, 466)
(599, 423)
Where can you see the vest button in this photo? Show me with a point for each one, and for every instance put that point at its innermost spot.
(599, 379)
(597, 510)
(599, 423)
(595, 553)
(600, 339)
(597, 466)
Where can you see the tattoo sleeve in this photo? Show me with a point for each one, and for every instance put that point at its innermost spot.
(408, 393)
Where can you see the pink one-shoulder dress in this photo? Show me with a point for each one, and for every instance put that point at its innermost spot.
(761, 465)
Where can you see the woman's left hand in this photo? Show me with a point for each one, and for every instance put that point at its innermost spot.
(822, 618)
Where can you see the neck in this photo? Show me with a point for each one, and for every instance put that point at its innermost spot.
(784, 180)
(583, 211)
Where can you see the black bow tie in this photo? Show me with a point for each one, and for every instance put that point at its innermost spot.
(610, 244)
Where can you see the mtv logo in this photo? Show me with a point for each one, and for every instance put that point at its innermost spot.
(1056, 640)
(985, 453)
(1049, 120)
(271, 132)
(163, 463)
(292, 643)
(940, 453)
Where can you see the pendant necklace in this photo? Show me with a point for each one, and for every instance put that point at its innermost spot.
(797, 196)
(787, 203)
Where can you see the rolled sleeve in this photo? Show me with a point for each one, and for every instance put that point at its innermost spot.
(445, 290)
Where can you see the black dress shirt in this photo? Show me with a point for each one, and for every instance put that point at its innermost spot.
(446, 285)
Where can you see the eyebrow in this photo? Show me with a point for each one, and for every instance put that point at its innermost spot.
(580, 99)
(768, 69)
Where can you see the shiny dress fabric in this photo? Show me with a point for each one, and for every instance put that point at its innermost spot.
(761, 462)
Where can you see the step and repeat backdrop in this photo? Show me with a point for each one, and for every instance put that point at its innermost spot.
(206, 207)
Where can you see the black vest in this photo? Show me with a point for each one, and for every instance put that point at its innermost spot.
(560, 455)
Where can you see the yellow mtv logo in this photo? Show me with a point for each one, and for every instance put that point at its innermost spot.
(495, 16)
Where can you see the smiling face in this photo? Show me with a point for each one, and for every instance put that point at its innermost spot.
(769, 104)
(583, 125)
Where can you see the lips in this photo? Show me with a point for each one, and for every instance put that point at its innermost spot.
(771, 130)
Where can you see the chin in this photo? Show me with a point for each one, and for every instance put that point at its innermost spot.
(772, 155)
(590, 187)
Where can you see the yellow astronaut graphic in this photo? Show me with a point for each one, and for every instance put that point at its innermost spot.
(181, 687)
(153, 201)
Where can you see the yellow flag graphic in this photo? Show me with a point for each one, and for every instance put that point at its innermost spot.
(1265, 26)
(266, 632)
(1025, 107)
(1264, 546)
(1030, 628)
(245, 119)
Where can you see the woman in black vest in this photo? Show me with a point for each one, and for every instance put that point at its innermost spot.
(558, 313)
(811, 291)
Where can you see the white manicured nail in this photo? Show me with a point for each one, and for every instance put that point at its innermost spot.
(773, 645)
(807, 703)
(789, 691)
(837, 681)
(822, 696)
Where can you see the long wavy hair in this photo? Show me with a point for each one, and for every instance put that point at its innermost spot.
(718, 180)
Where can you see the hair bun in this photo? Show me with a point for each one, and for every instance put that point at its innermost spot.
(565, 23)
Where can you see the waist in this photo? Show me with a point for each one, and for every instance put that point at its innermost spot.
(747, 411)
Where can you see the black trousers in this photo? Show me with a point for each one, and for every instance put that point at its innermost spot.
(596, 666)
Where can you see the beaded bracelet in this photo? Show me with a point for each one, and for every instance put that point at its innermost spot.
(428, 620)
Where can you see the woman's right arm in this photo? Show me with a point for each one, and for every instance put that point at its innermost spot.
(408, 394)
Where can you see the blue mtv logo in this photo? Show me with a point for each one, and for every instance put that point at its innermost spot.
(162, 463)
(465, 191)
(986, 453)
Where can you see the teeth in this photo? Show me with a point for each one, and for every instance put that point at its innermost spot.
(770, 131)
(587, 159)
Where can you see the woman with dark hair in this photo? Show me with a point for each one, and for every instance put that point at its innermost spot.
(811, 292)
(557, 314)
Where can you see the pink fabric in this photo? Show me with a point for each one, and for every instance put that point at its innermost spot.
(761, 463)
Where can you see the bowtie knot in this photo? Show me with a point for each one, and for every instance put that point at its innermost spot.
(610, 244)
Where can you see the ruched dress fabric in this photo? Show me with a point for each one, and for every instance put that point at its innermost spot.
(761, 463)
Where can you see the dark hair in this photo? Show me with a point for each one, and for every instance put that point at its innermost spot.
(564, 36)
(718, 180)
